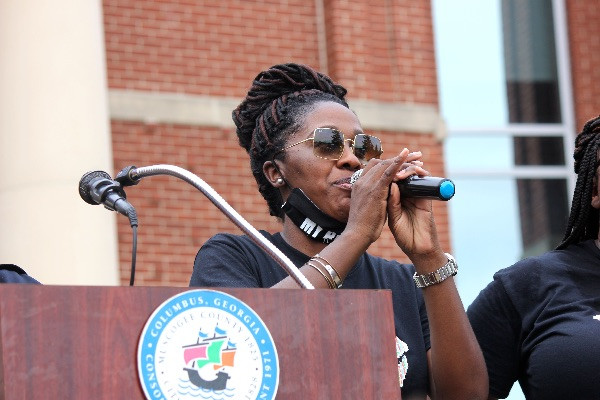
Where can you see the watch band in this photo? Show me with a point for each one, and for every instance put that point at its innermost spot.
(440, 275)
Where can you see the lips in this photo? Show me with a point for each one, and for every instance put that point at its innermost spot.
(344, 183)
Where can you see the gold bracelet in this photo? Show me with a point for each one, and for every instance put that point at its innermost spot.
(329, 281)
(332, 272)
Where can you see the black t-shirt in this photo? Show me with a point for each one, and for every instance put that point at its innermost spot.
(228, 260)
(538, 322)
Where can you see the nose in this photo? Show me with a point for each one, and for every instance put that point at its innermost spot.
(348, 159)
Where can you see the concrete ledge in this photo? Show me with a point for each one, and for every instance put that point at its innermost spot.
(185, 109)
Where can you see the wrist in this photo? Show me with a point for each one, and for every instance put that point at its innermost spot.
(448, 269)
(428, 262)
(351, 239)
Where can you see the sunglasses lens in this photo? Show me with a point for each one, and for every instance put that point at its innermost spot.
(367, 147)
(328, 143)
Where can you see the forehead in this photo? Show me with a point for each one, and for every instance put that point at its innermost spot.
(330, 114)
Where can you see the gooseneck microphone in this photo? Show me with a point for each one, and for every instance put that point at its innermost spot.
(428, 187)
(97, 187)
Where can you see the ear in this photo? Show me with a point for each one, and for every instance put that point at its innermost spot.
(272, 174)
(596, 200)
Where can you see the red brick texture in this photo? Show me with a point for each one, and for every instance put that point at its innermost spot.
(584, 44)
(379, 50)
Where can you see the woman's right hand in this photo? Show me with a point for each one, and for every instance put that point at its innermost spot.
(368, 208)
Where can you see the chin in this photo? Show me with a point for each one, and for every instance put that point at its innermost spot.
(342, 215)
(341, 211)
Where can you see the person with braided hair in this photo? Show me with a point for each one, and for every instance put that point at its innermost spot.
(304, 144)
(538, 321)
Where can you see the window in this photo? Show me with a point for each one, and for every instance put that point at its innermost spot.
(505, 96)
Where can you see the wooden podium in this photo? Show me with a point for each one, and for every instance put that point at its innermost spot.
(80, 342)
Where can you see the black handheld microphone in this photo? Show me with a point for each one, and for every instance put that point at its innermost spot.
(97, 187)
(428, 187)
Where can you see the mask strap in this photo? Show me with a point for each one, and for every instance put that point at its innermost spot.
(310, 219)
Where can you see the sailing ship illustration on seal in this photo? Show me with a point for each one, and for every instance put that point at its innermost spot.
(209, 353)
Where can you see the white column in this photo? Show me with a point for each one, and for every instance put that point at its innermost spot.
(54, 127)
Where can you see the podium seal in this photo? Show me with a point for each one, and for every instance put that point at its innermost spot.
(206, 344)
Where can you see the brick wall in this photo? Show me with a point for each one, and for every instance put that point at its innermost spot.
(584, 44)
(379, 50)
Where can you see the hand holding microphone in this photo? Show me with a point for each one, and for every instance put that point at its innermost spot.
(428, 187)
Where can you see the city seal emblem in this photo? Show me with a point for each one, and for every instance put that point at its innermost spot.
(206, 344)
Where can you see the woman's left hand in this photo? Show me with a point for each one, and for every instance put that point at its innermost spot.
(411, 219)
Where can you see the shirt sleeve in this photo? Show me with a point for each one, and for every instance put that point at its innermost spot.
(10, 273)
(223, 262)
(497, 326)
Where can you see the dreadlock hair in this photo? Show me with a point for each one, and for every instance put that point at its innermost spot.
(583, 219)
(274, 108)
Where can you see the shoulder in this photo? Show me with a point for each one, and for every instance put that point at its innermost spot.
(226, 247)
(10, 273)
(230, 260)
(232, 240)
(534, 274)
(227, 238)
(526, 286)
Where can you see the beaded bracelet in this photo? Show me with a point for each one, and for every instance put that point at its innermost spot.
(332, 271)
(329, 280)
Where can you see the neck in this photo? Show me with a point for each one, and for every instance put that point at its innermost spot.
(298, 239)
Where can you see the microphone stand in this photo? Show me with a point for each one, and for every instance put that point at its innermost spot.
(131, 176)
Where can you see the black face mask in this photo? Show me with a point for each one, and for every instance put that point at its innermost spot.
(313, 222)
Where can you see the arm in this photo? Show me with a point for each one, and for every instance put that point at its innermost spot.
(456, 364)
(457, 367)
(497, 326)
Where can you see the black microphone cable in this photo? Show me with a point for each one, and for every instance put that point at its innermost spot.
(133, 254)
(133, 222)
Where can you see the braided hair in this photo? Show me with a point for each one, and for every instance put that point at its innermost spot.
(275, 107)
(583, 219)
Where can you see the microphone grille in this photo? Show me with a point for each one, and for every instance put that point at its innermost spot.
(355, 176)
(84, 185)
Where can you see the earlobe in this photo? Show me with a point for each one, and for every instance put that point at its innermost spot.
(272, 174)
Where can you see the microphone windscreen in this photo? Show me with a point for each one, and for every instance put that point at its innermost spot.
(85, 187)
(355, 176)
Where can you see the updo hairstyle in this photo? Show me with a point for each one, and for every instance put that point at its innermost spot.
(275, 108)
